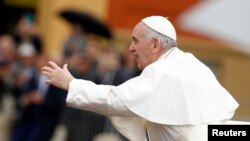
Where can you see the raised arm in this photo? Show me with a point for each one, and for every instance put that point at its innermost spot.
(83, 94)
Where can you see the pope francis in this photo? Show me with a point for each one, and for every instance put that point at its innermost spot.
(174, 99)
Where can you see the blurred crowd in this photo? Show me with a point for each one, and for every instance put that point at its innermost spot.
(31, 110)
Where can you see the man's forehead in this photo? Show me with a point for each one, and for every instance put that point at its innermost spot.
(140, 25)
(138, 29)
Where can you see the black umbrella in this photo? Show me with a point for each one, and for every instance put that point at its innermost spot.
(89, 23)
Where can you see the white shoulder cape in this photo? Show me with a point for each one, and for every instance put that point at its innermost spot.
(177, 90)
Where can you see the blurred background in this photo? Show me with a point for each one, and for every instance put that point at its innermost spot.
(93, 36)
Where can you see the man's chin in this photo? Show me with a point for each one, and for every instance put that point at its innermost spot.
(139, 67)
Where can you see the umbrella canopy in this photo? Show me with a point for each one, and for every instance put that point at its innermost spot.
(89, 23)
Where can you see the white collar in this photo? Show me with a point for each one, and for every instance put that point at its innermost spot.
(166, 53)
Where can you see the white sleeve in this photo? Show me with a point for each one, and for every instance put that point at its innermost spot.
(116, 108)
(86, 95)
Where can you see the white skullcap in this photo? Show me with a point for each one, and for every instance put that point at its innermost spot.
(26, 49)
(161, 25)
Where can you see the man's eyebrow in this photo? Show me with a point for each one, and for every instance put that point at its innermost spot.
(134, 39)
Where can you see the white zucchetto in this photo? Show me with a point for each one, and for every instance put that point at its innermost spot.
(161, 25)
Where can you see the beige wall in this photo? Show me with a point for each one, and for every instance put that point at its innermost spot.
(55, 30)
(237, 81)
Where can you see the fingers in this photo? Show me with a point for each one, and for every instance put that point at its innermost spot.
(46, 74)
(47, 69)
(54, 65)
(48, 81)
(65, 67)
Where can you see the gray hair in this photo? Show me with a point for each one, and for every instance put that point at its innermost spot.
(165, 40)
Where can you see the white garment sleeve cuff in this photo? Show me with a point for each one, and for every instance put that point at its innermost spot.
(86, 95)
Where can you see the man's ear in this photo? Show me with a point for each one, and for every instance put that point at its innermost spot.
(156, 46)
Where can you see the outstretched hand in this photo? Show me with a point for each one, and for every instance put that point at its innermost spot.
(59, 77)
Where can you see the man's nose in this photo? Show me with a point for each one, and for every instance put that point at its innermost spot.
(131, 48)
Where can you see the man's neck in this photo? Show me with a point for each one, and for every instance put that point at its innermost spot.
(165, 53)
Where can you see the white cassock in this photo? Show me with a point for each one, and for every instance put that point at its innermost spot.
(174, 99)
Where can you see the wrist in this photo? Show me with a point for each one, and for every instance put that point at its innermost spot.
(66, 87)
